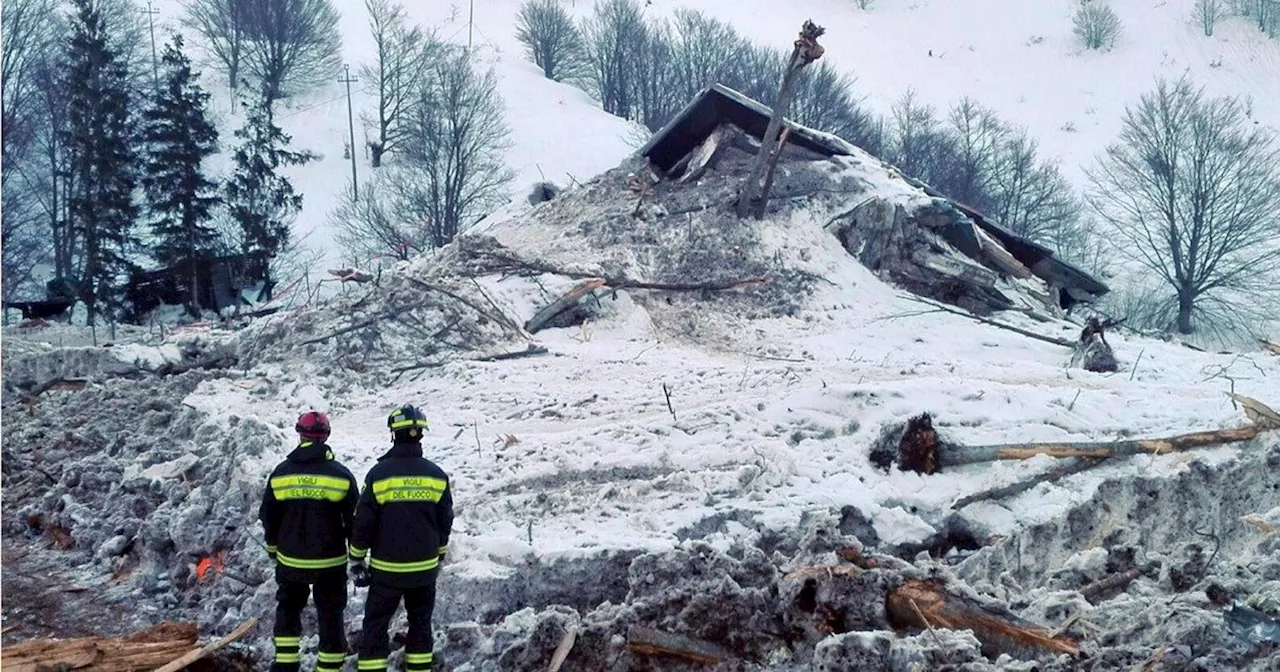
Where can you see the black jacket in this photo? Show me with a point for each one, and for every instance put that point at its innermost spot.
(307, 512)
(404, 517)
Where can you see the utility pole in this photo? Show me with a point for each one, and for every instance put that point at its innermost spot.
(351, 126)
(471, 22)
(151, 13)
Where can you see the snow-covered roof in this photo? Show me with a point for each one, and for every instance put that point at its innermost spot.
(716, 105)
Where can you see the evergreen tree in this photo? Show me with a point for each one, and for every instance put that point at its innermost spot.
(179, 197)
(98, 143)
(260, 200)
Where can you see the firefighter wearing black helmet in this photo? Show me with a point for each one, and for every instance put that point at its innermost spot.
(402, 528)
(307, 513)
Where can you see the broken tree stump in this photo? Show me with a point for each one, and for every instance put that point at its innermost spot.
(926, 605)
(650, 642)
(806, 51)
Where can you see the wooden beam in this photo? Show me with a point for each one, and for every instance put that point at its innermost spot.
(650, 642)
(927, 605)
(570, 299)
(192, 657)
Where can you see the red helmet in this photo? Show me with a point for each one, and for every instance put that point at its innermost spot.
(313, 425)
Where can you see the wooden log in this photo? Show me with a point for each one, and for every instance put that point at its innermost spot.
(192, 657)
(650, 642)
(926, 604)
(1109, 583)
(570, 299)
(1072, 465)
(527, 352)
(562, 651)
(951, 455)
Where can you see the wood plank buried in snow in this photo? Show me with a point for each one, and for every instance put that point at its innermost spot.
(650, 642)
(927, 605)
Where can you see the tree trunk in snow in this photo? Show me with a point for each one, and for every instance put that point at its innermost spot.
(1186, 301)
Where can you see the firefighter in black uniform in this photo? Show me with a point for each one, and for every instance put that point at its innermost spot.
(307, 513)
(402, 526)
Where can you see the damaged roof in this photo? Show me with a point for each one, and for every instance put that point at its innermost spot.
(716, 105)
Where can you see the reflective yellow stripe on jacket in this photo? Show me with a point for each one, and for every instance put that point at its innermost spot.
(305, 563)
(404, 567)
(409, 489)
(310, 486)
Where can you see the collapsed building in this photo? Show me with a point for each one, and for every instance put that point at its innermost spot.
(139, 484)
(943, 249)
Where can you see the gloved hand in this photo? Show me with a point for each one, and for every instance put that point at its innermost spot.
(359, 573)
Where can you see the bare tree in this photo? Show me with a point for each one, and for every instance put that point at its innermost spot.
(404, 54)
(30, 34)
(290, 45)
(825, 101)
(458, 137)
(1096, 25)
(612, 37)
(391, 221)
(651, 78)
(916, 143)
(550, 38)
(979, 139)
(220, 25)
(1207, 13)
(1192, 188)
(1029, 197)
(865, 4)
(705, 51)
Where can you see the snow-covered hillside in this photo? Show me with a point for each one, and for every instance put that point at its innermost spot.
(1019, 58)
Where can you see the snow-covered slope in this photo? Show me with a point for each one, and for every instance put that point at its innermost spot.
(1020, 58)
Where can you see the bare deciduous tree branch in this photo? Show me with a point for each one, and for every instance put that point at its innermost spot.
(1194, 189)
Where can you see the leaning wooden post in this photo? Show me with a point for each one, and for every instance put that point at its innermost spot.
(806, 51)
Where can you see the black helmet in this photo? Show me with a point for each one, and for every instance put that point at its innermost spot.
(407, 423)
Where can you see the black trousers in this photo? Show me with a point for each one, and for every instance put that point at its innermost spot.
(331, 600)
(380, 608)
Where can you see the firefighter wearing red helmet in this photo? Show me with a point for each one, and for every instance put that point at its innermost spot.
(402, 529)
(307, 513)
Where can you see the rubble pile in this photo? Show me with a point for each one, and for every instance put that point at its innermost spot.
(1192, 601)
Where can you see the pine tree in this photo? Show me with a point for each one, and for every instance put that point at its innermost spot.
(258, 198)
(99, 144)
(180, 198)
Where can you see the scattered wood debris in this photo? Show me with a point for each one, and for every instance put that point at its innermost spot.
(168, 647)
